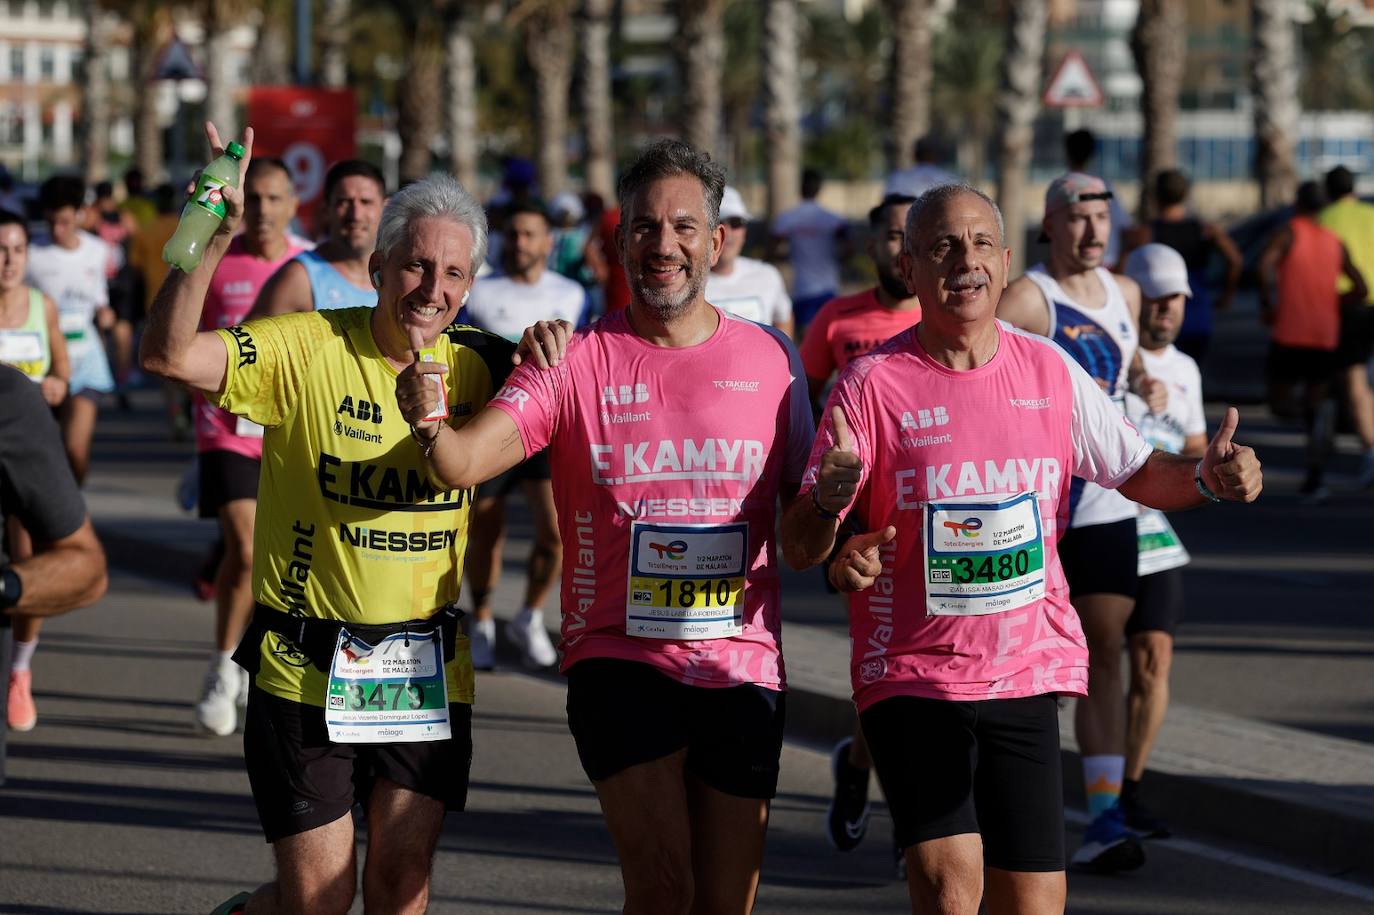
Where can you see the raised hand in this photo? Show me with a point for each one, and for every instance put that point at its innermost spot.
(1231, 471)
(840, 469)
(417, 396)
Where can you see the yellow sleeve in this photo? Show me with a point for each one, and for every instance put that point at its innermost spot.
(268, 361)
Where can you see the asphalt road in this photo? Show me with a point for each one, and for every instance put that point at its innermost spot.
(115, 806)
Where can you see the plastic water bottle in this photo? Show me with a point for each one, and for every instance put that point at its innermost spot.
(203, 212)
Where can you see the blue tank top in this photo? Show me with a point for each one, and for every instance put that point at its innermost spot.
(330, 288)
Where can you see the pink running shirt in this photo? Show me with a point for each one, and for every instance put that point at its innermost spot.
(667, 467)
(233, 290)
(847, 327)
(945, 455)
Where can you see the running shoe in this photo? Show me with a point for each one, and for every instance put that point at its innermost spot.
(20, 711)
(1108, 846)
(528, 632)
(1142, 821)
(846, 820)
(216, 712)
(482, 640)
(234, 905)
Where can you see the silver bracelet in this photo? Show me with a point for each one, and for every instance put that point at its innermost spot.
(426, 444)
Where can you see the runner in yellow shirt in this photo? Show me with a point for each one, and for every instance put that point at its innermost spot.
(362, 678)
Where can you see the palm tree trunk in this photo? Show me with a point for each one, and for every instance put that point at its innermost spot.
(783, 99)
(1274, 84)
(418, 104)
(702, 44)
(596, 97)
(911, 75)
(1159, 44)
(95, 96)
(1018, 102)
(150, 29)
(549, 50)
(219, 82)
(334, 40)
(461, 107)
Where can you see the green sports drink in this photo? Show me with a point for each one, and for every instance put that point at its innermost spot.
(203, 212)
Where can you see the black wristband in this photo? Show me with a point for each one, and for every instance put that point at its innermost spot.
(816, 504)
(11, 588)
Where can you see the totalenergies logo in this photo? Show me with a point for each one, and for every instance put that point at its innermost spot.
(969, 527)
(353, 657)
(675, 550)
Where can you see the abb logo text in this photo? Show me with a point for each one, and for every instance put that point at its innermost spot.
(625, 394)
(924, 419)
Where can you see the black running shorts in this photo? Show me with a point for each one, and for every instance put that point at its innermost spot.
(1293, 365)
(624, 713)
(1100, 558)
(1158, 604)
(301, 780)
(224, 477)
(992, 767)
(535, 468)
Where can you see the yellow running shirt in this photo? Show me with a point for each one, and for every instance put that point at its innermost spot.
(349, 527)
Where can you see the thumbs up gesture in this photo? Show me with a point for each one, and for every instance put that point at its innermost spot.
(840, 470)
(417, 396)
(1231, 471)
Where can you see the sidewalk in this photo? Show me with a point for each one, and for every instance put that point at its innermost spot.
(1283, 790)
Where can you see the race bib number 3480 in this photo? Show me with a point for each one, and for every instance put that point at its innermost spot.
(983, 556)
(686, 581)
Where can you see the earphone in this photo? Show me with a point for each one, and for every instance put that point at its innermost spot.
(465, 297)
(377, 278)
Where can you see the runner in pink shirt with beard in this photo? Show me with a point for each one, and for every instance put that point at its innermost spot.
(673, 428)
(953, 445)
(229, 448)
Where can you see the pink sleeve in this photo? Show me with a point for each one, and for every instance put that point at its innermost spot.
(531, 398)
(848, 395)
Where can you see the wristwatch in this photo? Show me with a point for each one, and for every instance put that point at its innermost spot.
(11, 588)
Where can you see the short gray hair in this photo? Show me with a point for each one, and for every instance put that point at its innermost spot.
(938, 196)
(667, 158)
(438, 196)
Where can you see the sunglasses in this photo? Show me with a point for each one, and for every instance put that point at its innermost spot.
(737, 222)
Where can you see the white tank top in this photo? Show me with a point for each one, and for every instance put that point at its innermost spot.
(1103, 341)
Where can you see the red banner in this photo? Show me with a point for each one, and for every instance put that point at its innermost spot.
(308, 129)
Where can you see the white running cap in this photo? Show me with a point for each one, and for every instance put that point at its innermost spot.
(732, 205)
(1160, 271)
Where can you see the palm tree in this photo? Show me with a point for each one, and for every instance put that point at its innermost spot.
(1018, 102)
(460, 72)
(218, 17)
(702, 43)
(783, 98)
(418, 103)
(1159, 43)
(94, 77)
(335, 35)
(596, 96)
(549, 36)
(967, 63)
(911, 76)
(152, 27)
(1274, 84)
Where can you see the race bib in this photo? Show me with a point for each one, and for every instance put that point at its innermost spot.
(1158, 546)
(391, 692)
(247, 428)
(76, 328)
(686, 581)
(983, 556)
(24, 350)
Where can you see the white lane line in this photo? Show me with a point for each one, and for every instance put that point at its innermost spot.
(1250, 863)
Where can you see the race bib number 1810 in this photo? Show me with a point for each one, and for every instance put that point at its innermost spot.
(686, 581)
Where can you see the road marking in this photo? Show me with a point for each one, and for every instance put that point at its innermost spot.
(1250, 863)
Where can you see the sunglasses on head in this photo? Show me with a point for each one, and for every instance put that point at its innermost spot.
(1084, 198)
